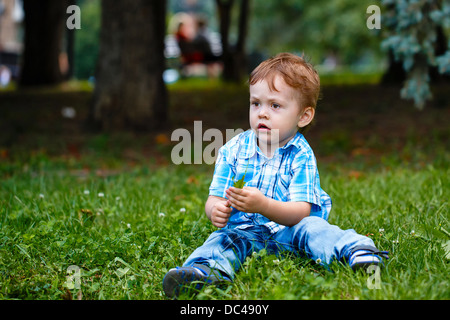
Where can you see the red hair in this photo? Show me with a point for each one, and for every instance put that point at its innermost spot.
(295, 71)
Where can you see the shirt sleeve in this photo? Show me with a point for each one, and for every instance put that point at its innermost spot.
(223, 174)
(304, 184)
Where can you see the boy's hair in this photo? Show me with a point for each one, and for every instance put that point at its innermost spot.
(295, 71)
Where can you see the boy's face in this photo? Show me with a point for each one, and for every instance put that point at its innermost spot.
(275, 116)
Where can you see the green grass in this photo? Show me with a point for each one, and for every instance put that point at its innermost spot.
(125, 230)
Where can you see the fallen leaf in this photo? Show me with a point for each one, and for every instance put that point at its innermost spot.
(4, 153)
(355, 174)
(192, 180)
(162, 138)
(67, 295)
(363, 152)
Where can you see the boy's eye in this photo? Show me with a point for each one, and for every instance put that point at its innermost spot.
(275, 105)
(255, 103)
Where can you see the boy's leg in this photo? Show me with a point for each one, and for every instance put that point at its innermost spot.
(226, 249)
(215, 261)
(322, 241)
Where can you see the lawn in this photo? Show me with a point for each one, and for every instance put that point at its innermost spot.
(114, 211)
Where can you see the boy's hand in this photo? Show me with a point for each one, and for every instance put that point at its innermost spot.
(247, 199)
(220, 213)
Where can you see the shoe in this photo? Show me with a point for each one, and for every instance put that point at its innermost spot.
(363, 258)
(179, 277)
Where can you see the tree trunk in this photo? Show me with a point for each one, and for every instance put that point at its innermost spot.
(233, 57)
(395, 74)
(70, 47)
(130, 93)
(439, 49)
(241, 54)
(224, 10)
(44, 28)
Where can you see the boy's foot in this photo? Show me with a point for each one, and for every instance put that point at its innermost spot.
(179, 277)
(362, 259)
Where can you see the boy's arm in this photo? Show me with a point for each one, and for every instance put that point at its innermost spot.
(286, 213)
(250, 199)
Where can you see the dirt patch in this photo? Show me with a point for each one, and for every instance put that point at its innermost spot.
(363, 120)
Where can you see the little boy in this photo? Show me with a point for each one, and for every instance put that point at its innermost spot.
(282, 206)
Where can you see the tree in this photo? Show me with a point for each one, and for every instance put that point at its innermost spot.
(130, 93)
(44, 29)
(233, 56)
(415, 39)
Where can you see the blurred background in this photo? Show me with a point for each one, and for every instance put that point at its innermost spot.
(112, 75)
(332, 33)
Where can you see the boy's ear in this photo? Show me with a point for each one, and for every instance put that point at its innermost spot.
(306, 117)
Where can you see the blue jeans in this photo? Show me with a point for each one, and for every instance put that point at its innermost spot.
(227, 248)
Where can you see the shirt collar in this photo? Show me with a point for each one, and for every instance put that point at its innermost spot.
(252, 145)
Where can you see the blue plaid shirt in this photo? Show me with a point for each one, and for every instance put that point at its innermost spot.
(290, 175)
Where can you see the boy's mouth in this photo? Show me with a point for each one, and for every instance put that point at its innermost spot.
(262, 126)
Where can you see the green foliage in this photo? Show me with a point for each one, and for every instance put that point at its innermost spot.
(413, 26)
(317, 28)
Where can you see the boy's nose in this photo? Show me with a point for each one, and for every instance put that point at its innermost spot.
(263, 113)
